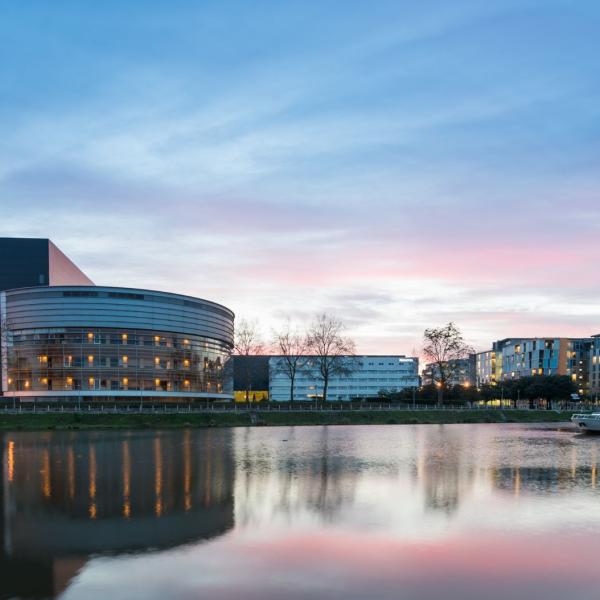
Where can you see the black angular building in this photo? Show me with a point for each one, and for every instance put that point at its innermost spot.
(28, 262)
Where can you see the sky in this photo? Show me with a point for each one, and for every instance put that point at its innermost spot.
(396, 164)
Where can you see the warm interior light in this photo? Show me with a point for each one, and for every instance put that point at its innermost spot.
(91, 381)
(26, 384)
(156, 360)
(186, 363)
(125, 381)
(90, 359)
(90, 336)
(125, 359)
(186, 383)
(157, 381)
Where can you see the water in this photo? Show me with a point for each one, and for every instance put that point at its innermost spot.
(392, 512)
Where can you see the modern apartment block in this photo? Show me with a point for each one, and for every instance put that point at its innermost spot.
(513, 358)
(368, 376)
(487, 368)
(594, 366)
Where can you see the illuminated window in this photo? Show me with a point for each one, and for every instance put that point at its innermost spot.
(124, 338)
(186, 363)
(44, 380)
(68, 361)
(26, 384)
(91, 359)
(43, 359)
(125, 360)
(157, 361)
(186, 383)
(157, 382)
(90, 337)
(91, 382)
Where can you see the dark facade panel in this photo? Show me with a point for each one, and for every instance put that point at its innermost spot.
(23, 263)
(251, 372)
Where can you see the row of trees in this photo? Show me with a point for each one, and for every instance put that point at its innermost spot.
(543, 390)
(323, 349)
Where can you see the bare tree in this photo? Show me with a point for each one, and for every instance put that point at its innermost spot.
(291, 345)
(247, 342)
(331, 351)
(444, 348)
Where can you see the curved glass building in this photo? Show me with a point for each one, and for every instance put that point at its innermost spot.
(103, 342)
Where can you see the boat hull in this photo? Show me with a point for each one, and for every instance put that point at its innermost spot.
(587, 423)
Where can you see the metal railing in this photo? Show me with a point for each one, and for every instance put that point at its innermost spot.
(96, 407)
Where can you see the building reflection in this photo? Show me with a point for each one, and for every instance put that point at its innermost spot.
(545, 480)
(66, 496)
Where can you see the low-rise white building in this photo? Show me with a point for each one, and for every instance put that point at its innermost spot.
(367, 377)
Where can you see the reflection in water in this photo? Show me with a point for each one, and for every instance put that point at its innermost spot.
(66, 496)
(338, 512)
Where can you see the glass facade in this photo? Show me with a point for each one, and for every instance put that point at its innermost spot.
(119, 360)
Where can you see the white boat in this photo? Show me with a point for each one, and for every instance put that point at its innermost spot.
(587, 421)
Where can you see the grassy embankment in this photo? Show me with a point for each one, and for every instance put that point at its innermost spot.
(69, 421)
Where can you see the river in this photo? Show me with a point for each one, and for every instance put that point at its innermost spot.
(341, 512)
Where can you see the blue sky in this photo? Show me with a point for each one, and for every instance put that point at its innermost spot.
(399, 164)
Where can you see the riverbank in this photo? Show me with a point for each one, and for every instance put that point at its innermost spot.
(75, 421)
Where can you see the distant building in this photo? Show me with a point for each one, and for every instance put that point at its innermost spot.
(462, 372)
(594, 367)
(251, 373)
(513, 358)
(371, 374)
(486, 368)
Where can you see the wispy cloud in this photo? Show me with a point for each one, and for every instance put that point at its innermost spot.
(401, 167)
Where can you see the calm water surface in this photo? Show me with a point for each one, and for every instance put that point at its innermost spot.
(393, 512)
